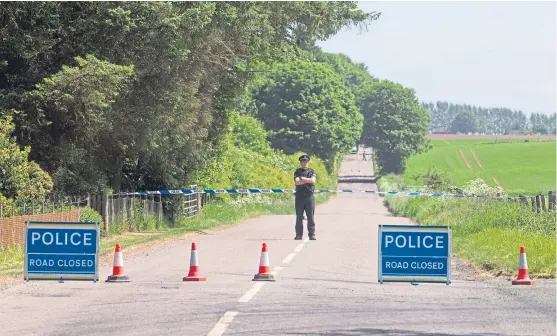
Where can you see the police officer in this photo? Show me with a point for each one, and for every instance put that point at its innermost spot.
(304, 178)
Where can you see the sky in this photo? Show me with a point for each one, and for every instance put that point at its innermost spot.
(489, 54)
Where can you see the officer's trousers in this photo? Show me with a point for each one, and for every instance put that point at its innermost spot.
(307, 204)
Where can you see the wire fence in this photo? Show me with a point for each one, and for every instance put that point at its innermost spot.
(116, 212)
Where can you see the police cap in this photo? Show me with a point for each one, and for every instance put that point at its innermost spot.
(304, 157)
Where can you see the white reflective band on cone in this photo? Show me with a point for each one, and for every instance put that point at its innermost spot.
(118, 260)
(264, 261)
(523, 262)
(193, 259)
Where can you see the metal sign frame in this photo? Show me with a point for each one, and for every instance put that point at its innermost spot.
(415, 228)
(58, 276)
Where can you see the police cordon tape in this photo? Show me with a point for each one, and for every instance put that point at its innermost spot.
(292, 191)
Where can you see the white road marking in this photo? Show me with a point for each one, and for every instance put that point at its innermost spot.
(289, 258)
(222, 324)
(257, 286)
(251, 293)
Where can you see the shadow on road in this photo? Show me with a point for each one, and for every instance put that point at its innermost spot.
(356, 179)
(390, 332)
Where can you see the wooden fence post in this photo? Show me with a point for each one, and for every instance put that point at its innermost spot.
(113, 208)
(551, 200)
(124, 208)
(533, 203)
(542, 197)
(160, 208)
(105, 211)
(538, 203)
(131, 216)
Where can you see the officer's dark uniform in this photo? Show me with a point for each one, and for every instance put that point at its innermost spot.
(305, 201)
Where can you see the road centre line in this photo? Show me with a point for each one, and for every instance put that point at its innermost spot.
(222, 324)
(297, 249)
(257, 286)
(289, 258)
(251, 293)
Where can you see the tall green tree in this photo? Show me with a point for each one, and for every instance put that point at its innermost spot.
(306, 106)
(73, 126)
(395, 125)
(356, 75)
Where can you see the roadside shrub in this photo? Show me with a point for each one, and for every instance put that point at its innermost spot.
(478, 187)
(88, 214)
(438, 180)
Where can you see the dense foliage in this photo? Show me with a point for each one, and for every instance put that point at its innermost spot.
(464, 122)
(489, 120)
(138, 95)
(395, 125)
(306, 106)
(19, 177)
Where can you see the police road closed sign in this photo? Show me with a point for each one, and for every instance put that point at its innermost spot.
(411, 253)
(61, 251)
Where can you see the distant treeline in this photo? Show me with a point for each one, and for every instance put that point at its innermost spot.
(487, 120)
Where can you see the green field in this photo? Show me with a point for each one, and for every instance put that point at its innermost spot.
(487, 233)
(520, 167)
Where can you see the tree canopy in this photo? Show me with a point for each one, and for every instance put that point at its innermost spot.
(306, 106)
(464, 122)
(138, 95)
(395, 125)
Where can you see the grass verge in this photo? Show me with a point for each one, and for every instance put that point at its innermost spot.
(487, 233)
(217, 214)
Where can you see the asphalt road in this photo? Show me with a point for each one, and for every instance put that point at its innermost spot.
(323, 287)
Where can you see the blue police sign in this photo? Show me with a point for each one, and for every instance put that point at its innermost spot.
(62, 251)
(412, 253)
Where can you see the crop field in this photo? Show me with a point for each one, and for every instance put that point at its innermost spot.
(518, 166)
(487, 233)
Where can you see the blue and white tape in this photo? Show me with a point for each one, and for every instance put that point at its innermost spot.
(292, 191)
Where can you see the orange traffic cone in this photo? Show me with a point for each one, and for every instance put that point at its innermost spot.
(194, 267)
(264, 270)
(523, 278)
(118, 267)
